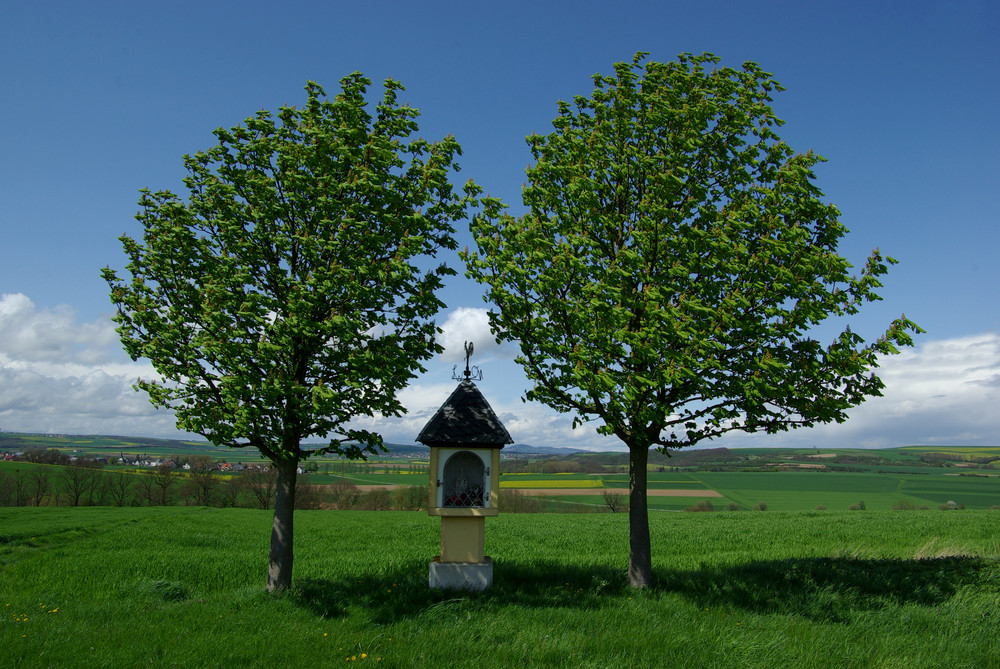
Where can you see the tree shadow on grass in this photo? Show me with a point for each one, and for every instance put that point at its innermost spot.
(826, 589)
(822, 589)
(389, 596)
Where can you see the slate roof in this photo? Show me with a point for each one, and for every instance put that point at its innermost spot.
(465, 418)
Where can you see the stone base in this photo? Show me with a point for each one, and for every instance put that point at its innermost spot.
(471, 576)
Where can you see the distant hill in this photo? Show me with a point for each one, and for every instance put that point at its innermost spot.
(511, 450)
(23, 440)
(528, 449)
(705, 458)
(408, 450)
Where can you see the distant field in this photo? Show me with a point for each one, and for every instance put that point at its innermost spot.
(976, 451)
(804, 490)
(671, 481)
(789, 490)
(779, 490)
(551, 482)
(781, 479)
(403, 479)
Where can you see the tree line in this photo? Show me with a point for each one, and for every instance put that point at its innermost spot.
(87, 482)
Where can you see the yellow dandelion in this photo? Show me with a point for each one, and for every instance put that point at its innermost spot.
(364, 655)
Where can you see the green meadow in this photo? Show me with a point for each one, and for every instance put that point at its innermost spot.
(165, 586)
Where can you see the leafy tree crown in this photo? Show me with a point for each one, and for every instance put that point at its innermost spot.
(674, 258)
(290, 291)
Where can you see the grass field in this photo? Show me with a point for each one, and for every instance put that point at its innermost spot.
(184, 586)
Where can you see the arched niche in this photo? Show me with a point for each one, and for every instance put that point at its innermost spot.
(464, 479)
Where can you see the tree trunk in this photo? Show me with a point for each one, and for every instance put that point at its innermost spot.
(279, 569)
(640, 564)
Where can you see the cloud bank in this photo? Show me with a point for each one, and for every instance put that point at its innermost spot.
(469, 324)
(61, 375)
(58, 375)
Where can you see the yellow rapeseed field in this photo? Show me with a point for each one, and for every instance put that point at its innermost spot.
(554, 483)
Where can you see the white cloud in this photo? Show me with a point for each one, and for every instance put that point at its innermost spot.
(52, 335)
(61, 375)
(941, 392)
(469, 324)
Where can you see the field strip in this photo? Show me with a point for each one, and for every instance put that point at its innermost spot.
(576, 491)
(663, 492)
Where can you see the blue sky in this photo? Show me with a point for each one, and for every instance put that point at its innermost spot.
(103, 98)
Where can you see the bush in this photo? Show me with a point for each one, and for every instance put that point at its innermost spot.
(904, 505)
(344, 495)
(410, 498)
(6, 490)
(703, 505)
(760, 506)
(615, 501)
(515, 501)
(307, 496)
(821, 507)
(860, 506)
(733, 506)
(376, 499)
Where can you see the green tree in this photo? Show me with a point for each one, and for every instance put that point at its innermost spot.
(671, 268)
(284, 298)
